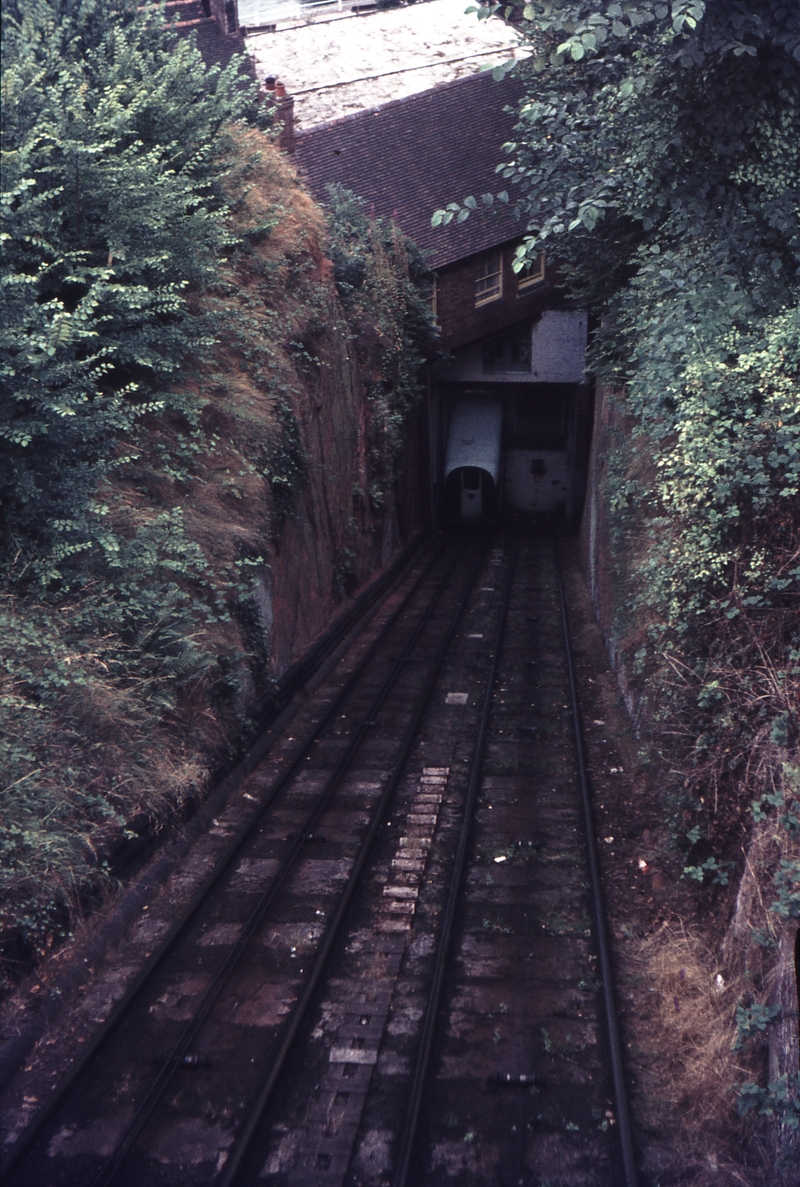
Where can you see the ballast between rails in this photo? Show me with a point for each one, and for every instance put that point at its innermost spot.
(239, 1154)
(407, 1141)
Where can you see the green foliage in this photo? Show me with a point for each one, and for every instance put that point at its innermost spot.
(115, 223)
(720, 871)
(785, 798)
(384, 284)
(787, 885)
(753, 1020)
(658, 153)
(728, 439)
(623, 97)
(779, 1100)
(112, 215)
(85, 686)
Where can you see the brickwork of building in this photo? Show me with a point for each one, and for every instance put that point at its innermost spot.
(462, 322)
(215, 23)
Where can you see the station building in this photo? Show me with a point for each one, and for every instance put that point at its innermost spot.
(509, 409)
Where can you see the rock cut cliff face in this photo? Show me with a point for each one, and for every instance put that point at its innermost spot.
(290, 395)
(328, 526)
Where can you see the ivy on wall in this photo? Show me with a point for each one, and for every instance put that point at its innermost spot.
(656, 155)
(384, 285)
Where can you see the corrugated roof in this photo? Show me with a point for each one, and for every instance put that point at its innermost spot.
(413, 156)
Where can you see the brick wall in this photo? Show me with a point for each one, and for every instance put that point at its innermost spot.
(461, 323)
(215, 23)
(218, 47)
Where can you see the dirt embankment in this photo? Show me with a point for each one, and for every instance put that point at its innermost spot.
(244, 519)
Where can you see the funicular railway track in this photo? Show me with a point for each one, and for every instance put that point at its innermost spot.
(391, 978)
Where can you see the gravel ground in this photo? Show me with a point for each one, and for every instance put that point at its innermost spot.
(323, 62)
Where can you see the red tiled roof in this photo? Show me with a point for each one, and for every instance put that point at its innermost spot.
(414, 155)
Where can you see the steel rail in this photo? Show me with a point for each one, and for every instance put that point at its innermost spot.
(280, 706)
(601, 932)
(304, 671)
(246, 1135)
(408, 1139)
(29, 1134)
(145, 1110)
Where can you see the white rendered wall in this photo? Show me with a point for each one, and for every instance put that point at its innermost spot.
(558, 351)
(528, 491)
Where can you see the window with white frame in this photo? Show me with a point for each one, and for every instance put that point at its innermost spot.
(489, 277)
(534, 275)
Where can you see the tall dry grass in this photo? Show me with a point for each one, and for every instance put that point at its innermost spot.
(689, 1029)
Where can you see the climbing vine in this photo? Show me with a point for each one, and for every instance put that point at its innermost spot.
(384, 285)
(656, 157)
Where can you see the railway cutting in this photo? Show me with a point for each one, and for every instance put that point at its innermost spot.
(393, 971)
